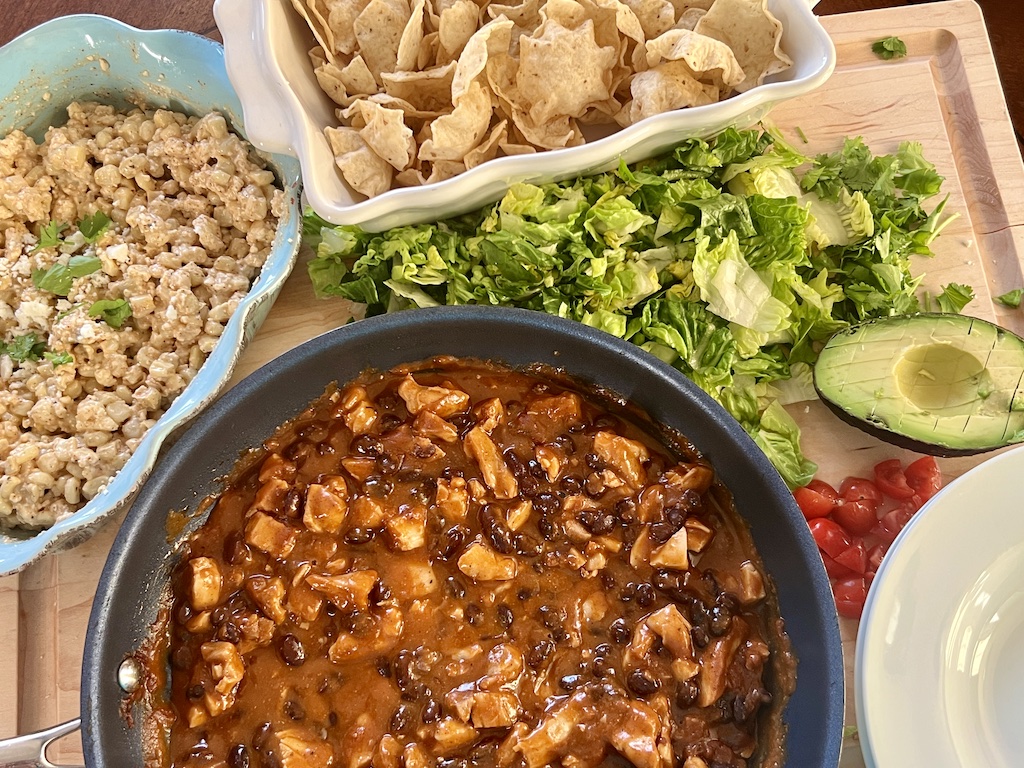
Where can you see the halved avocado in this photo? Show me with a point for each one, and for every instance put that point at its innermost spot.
(943, 384)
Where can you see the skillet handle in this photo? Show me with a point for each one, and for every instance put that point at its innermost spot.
(29, 750)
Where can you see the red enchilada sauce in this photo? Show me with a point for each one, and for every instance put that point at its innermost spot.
(454, 564)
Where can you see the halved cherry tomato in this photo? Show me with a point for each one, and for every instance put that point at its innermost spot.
(850, 594)
(854, 557)
(833, 569)
(829, 536)
(812, 503)
(860, 489)
(893, 521)
(924, 477)
(820, 486)
(875, 555)
(858, 517)
(891, 481)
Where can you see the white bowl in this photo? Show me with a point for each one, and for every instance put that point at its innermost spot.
(939, 668)
(266, 44)
(77, 58)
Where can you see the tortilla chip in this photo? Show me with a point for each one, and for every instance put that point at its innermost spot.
(429, 90)
(656, 16)
(357, 77)
(411, 113)
(688, 19)
(488, 148)
(361, 168)
(453, 135)
(341, 16)
(378, 31)
(707, 58)
(490, 40)
(330, 78)
(753, 33)
(319, 28)
(455, 27)
(509, 148)
(384, 131)
(412, 37)
(561, 72)
(552, 134)
(667, 86)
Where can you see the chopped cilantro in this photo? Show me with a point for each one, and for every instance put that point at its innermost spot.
(27, 347)
(113, 311)
(58, 278)
(59, 358)
(93, 226)
(49, 235)
(889, 48)
(850, 732)
(801, 134)
(1011, 299)
(955, 297)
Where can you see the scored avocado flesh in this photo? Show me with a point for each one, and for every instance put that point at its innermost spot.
(946, 380)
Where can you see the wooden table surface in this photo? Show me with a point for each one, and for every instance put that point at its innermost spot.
(1004, 19)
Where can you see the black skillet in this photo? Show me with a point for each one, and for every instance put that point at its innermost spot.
(141, 558)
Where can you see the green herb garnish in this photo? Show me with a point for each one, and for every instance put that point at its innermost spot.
(49, 235)
(889, 48)
(59, 358)
(1011, 299)
(58, 278)
(92, 227)
(954, 298)
(113, 311)
(22, 348)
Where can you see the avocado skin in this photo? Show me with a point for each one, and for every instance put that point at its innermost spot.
(878, 428)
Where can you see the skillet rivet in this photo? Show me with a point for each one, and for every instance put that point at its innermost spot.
(128, 675)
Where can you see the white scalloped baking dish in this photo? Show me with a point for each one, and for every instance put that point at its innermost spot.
(266, 44)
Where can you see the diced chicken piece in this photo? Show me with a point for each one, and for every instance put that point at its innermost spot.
(481, 563)
(698, 535)
(548, 417)
(269, 594)
(270, 495)
(695, 477)
(573, 505)
(641, 551)
(365, 512)
(576, 532)
(388, 753)
(334, 567)
(383, 634)
(197, 716)
(349, 591)
(755, 653)
(452, 499)
(411, 579)
(497, 475)
(304, 602)
(477, 491)
(594, 608)
(360, 467)
(641, 646)
(303, 748)
(673, 553)
(597, 558)
(489, 414)
(485, 709)
(277, 466)
(574, 558)
(227, 670)
(442, 401)
(751, 584)
(359, 742)
(694, 762)
(199, 623)
(626, 457)
(326, 505)
(357, 410)
(429, 424)
(206, 582)
(549, 739)
(270, 535)
(673, 629)
(257, 631)
(451, 734)
(715, 661)
(651, 503)
(550, 461)
(504, 666)
(518, 514)
(415, 756)
(633, 730)
(507, 756)
(407, 528)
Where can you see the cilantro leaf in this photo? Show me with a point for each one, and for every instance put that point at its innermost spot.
(1012, 298)
(889, 48)
(92, 227)
(113, 311)
(58, 278)
(954, 298)
(22, 348)
(59, 358)
(49, 235)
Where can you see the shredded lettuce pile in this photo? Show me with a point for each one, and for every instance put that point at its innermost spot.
(720, 258)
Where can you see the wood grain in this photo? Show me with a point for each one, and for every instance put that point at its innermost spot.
(946, 94)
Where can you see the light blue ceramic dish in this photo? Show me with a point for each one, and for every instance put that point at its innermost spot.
(94, 57)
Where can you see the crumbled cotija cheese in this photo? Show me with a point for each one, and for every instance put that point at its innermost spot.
(193, 214)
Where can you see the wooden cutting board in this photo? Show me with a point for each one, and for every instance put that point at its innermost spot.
(945, 94)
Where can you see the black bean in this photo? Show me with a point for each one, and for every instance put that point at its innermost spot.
(452, 541)
(642, 684)
(182, 658)
(183, 614)
(515, 464)
(725, 706)
(593, 461)
(743, 707)
(645, 595)
(524, 593)
(526, 545)
(431, 712)
(380, 592)
(570, 682)
(553, 617)
(238, 757)
(294, 709)
(367, 446)
(564, 443)
(572, 484)
(625, 508)
(721, 620)
(536, 469)
(463, 422)
(603, 524)
(604, 649)
(547, 503)
(686, 693)
(261, 737)
(473, 613)
(661, 532)
(505, 616)
(455, 587)
(387, 422)
(357, 536)
(608, 580)
(219, 615)
(332, 717)
(628, 592)
(699, 636)
(293, 653)
(606, 422)
(195, 691)
(620, 631)
(602, 667)
(403, 669)
(229, 632)
(411, 475)
(496, 531)
(388, 401)
(379, 487)
(539, 653)
(293, 504)
(401, 718)
(547, 528)
(235, 549)
(383, 667)
(669, 582)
